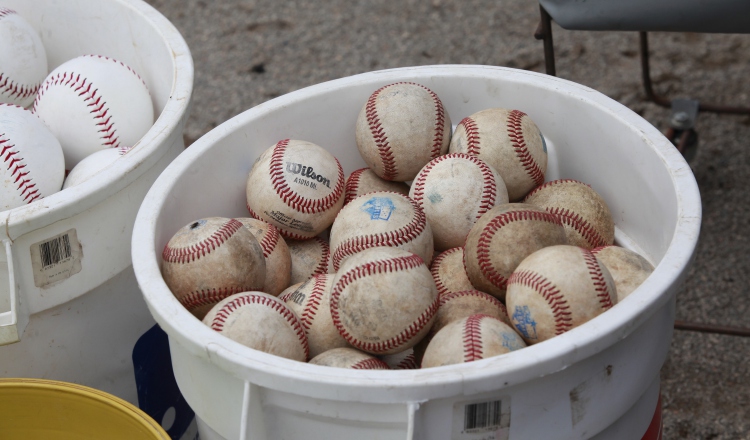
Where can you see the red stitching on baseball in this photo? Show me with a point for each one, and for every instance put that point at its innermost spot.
(269, 240)
(472, 338)
(379, 136)
(284, 233)
(352, 185)
(406, 234)
(597, 278)
(388, 265)
(552, 183)
(292, 198)
(435, 270)
(313, 302)
(251, 298)
(325, 257)
(6, 11)
(407, 363)
(7, 85)
(472, 135)
(371, 364)
(204, 297)
(489, 231)
(580, 225)
(515, 133)
(596, 250)
(18, 172)
(556, 300)
(204, 247)
(475, 293)
(437, 141)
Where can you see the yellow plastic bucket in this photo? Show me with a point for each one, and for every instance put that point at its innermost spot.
(44, 409)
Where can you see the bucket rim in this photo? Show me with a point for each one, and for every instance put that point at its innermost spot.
(414, 385)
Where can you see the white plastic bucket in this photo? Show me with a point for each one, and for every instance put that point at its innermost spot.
(81, 326)
(580, 384)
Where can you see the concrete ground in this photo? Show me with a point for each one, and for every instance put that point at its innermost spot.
(249, 51)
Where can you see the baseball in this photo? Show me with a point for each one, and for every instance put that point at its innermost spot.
(471, 339)
(33, 164)
(628, 268)
(309, 257)
(454, 190)
(347, 357)
(260, 321)
(364, 180)
(448, 271)
(502, 238)
(23, 59)
(311, 302)
(383, 300)
(93, 102)
(296, 186)
(380, 219)
(211, 259)
(401, 127)
(404, 360)
(275, 252)
(510, 142)
(584, 213)
(92, 164)
(556, 289)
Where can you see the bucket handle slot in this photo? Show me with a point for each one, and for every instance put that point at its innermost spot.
(13, 314)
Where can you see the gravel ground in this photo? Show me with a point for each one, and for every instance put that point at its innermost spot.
(247, 52)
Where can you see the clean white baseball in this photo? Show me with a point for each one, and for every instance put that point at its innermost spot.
(401, 127)
(94, 102)
(347, 357)
(260, 321)
(584, 213)
(296, 186)
(364, 180)
(23, 59)
(276, 253)
(454, 190)
(380, 219)
(449, 273)
(309, 257)
(92, 164)
(471, 339)
(510, 142)
(556, 289)
(311, 302)
(383, 300)
(211, 259)
(32, 159)
(628, 268)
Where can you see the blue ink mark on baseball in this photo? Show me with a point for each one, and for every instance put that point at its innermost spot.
(512, 342)
(524, 322)
(379, 208)
(435, 197)
(544, 143)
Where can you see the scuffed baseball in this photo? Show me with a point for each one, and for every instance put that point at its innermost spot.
(383, 300)
(380, 219)
(628, 268)
(210, 259)
(94, 102)
(454, 190)
(364, 180)
(296, 186)
(584, 213)
(502, 238)
(448, 271)
(404, 360)
(557, 289)
(92, 165)
(510, 142)
(471, 339)
(311, 301)
(276, 253)
(347, 357)
(32, 159)
(309, 257)
(260, 321)
(401, 127)
(23, 59)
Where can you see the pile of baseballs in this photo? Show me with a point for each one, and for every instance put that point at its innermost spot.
(448, 248)
(79, 118)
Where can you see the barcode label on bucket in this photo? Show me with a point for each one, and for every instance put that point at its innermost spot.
(482, 420)
(56, 258)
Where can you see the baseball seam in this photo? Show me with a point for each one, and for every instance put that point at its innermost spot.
(575, 221)
(203, 247)
(371, 364)
(352, 185)
(435, 270)
(555, 299)
(313, 302)
(515, 133)
(488, 232)
(403, 235)
(472, 135)
(407, 363)
(19, 173)
(227, 309)
(437, 141)
(203, 297)
(9, 87)
(388, 265)
(598, 280)
(475, 293)
(378, 135)
(552, 183)
(472, 338)
(270, 240)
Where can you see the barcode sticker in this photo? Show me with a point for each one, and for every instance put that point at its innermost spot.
(482, 420)
(56, 258)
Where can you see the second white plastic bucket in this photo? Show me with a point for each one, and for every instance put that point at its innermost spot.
(599, 380)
